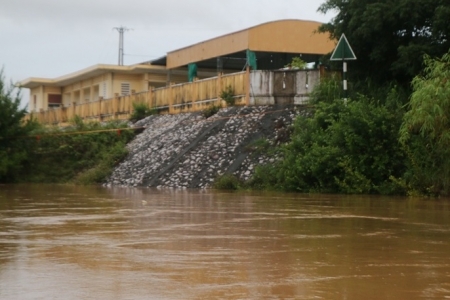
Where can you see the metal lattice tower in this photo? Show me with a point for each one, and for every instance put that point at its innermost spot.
(121, 31)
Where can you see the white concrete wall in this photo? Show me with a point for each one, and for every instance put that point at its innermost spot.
(261, 88)
(262, 82)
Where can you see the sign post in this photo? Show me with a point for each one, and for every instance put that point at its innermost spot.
(344, 52)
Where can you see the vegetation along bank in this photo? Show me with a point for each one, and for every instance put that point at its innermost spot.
(392, 135)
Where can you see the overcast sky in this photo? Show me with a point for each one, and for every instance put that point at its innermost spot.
(51, 38)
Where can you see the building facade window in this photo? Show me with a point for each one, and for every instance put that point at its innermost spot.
(125, 89)
(104, 90)
(54, 100)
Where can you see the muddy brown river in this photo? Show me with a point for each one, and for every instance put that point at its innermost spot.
(65, 242)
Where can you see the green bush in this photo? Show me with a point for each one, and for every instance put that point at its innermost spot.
(329, 89)
(297, 63)
(64, 155)
(210, 111)
(343, 148)
(141, 111)
(259, 146)
(227, 182)
(228, 95)
(103, 169)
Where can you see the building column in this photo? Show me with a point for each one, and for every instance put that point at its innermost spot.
(91, 96)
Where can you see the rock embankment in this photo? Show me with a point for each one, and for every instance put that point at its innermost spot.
(190, 151)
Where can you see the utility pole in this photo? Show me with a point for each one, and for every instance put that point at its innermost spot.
(121, 31)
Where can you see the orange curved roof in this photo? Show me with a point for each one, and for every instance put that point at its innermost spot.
(283, 36)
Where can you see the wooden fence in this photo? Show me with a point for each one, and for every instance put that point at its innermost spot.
(255, 88)
(185, 97)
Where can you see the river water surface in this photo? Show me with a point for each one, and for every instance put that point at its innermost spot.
(65, 242)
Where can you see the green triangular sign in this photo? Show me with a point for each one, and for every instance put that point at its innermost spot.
(343, 51)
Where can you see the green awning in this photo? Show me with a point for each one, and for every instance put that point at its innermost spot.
(192, 72)
(251, 59)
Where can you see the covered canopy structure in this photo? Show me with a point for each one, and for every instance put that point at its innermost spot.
(274, 44)
(267, 46)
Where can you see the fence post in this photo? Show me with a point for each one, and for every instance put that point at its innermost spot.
(100, 109)
(150, 97)
(74, 109)
(219, 88)
(321, 72)
(247, 85)
(170, 99)
(83, 110)
(128, 103)
(194, 92)
(42, 116)
(114, 107)
(131, 99)
(63, 114)
(193, 89)
(146, 98)
(59, 118)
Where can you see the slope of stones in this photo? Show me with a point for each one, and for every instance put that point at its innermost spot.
(189, 151)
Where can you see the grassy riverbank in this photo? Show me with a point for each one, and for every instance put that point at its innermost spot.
(83, 153)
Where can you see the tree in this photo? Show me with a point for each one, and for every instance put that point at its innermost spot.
(390, 37)
(425, 131)
(342, 148)
(13, 144)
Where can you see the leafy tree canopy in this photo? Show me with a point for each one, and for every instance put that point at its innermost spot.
(425, 131)
(12, 130)
(390, 37)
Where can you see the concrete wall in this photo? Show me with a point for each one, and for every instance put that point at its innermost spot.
(306, 82)
(261, 88)
(282, 87)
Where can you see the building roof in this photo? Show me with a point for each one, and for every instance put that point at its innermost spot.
(283, 36)
(90, 72)
(270, 40)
